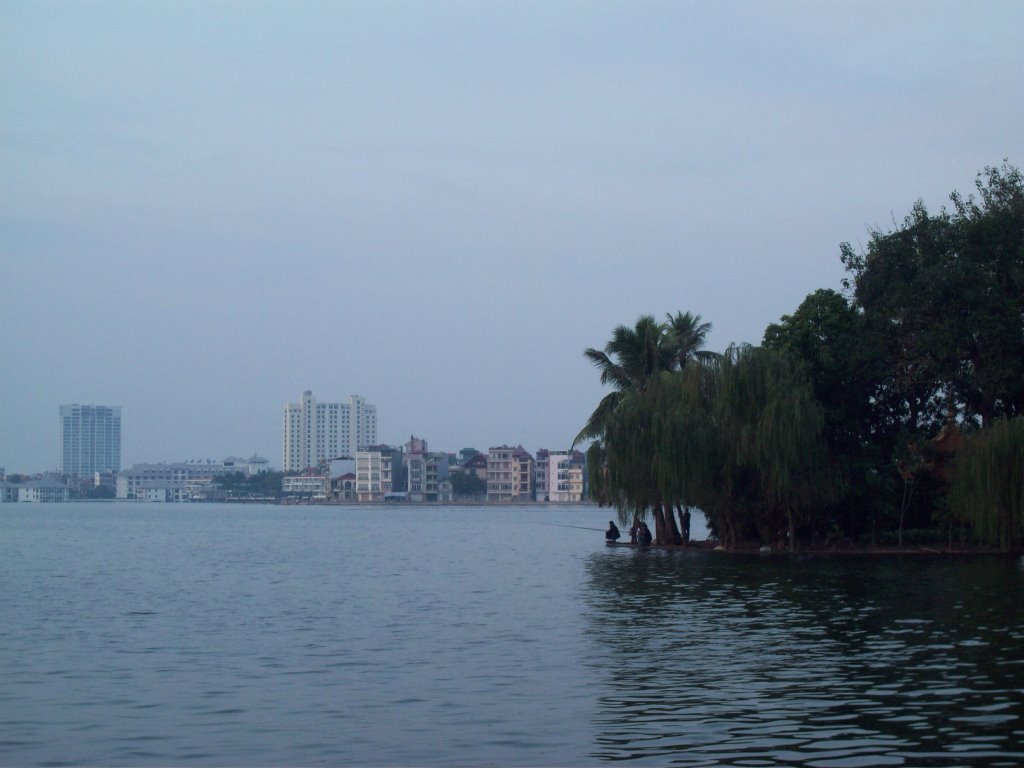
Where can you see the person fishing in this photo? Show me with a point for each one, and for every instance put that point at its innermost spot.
(612, 534)
(645, 535)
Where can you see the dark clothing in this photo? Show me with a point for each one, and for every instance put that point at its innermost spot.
(645, 536)
(612, 534)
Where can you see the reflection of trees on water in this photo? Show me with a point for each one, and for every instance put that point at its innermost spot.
(712, 658)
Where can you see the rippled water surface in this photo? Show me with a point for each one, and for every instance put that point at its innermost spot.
(247, 635)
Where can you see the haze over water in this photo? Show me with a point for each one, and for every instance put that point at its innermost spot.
(231, 635)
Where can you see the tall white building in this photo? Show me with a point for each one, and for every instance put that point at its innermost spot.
(559, 476)
(90, 439)
(313, 432)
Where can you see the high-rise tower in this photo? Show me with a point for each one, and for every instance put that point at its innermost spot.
(313, 431)
(90, 439)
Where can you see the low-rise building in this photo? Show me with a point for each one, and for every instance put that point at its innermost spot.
(146, 481)
(49, 488)
(343, 487)
(311, 487)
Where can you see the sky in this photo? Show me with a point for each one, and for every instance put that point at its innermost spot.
(207, 208)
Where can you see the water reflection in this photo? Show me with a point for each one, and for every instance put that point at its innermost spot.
(711, 659)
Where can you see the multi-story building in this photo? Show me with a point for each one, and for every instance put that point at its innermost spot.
(540, 476)
(373, 475)
(40, 489)
(509, 474)
(559, 476)
(577, 482)
(166, 482)
(313, 432)
(426, 472)
(90, 440)
(314, 487)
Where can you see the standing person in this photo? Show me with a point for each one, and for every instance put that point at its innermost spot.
(612, 534)
(685, 520)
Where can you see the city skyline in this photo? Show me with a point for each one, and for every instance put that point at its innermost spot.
(87, 422)
(208, 208)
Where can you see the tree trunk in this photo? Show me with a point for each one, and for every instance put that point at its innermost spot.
(671, 531)
(684, 524)
(792, 530)
(659, 523)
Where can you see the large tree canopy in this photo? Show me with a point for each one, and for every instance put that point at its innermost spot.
(738, 435)
(942, 300)
(846, 422)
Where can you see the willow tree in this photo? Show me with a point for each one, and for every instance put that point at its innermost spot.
(683, 429)
(988, 483)
(768, 428)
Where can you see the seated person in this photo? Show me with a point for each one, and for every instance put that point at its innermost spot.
(645, 535)
(612, 534)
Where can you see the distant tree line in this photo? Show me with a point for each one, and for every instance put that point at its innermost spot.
(890, 412)
(266, 484)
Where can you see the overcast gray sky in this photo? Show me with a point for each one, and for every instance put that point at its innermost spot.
(208, 207)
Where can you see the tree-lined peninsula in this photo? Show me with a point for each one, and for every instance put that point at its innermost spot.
(890, 412)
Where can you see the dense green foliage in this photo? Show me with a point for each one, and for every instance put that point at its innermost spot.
(989, 487)
(838, 427)
(261, 485)
(101, 492)
(468, 485)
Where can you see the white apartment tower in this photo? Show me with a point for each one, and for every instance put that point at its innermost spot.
(90, 439)
(313, 432)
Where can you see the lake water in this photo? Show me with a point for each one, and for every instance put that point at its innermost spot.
(259, 635)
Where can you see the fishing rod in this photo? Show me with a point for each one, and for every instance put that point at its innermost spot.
(580, 527)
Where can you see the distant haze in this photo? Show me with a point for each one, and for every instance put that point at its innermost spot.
(208, 208)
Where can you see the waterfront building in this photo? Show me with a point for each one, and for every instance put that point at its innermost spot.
(540, 481)
(343, 487)
(559, 476)
(509, 474)
(373, 475)
(477, 464)
(312, 487)
(167, 482)
(577, 483)
(90, 440)
(48, 488)
(426, 473)
(313, 432)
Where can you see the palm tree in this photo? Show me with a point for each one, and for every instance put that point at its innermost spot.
(628, 362)
(622, 468)
(687, 335)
